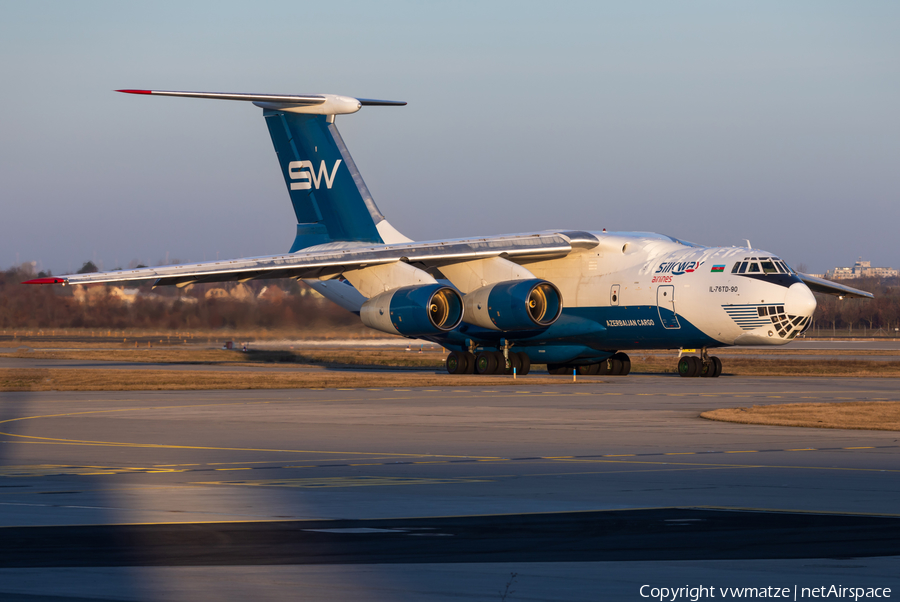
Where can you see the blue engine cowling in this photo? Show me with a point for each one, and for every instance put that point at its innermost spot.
(514, 305)
(414, 310)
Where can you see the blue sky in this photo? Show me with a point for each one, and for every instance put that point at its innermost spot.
(710, 121)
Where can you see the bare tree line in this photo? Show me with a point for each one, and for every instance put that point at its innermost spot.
(852, 315)
(283, 306)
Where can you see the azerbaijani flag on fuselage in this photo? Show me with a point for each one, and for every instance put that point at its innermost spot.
(718, 268)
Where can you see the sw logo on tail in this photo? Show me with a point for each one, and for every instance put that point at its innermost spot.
(306, 177)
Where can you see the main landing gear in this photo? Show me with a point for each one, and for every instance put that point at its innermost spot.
(618, 364)
(706, 365)
(488, 362)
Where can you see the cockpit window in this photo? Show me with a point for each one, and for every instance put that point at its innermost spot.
(761, 265)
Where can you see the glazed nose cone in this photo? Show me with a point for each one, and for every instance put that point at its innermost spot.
(799, 301)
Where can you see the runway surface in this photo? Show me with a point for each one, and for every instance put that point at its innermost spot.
(440, 493)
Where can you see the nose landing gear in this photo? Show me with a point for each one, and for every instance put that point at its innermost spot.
(707, 366)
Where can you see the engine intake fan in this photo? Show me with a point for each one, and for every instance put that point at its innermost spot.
(514, 305)
(414, 310)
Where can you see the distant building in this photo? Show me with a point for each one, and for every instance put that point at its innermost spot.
(861, 269)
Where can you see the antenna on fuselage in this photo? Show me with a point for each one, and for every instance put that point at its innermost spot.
(749, 246)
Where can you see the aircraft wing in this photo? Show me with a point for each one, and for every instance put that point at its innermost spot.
(331, 260)
(820, 285)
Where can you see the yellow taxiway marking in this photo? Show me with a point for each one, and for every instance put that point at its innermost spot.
(744, 451)
(224, 463)
(361, 481)
(241, 468)
(63, 441)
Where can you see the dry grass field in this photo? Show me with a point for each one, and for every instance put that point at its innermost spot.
(868, 415)
(66, 379)
(204, 349)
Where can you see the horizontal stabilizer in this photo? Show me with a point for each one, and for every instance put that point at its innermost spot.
(370, 102)
(300, 99)
(317, 104)
(827, 287)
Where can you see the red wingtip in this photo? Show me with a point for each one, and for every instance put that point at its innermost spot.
(135, 91)
(45, 281)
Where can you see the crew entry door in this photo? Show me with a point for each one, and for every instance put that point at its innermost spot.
(665, 301)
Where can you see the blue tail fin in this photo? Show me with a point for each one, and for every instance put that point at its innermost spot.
(329, 196)
(330, 199)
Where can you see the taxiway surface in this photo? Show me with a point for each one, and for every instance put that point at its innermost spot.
(632, 444)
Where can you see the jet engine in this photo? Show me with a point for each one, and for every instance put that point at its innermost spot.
(414, 310)
(514, 305)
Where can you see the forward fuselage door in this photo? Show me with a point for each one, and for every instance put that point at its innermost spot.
(665, 301)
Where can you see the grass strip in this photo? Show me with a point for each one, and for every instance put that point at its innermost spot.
(859, 415)
(68, 379)
(434, 360)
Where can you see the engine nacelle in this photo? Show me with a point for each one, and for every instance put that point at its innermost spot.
(514, 305)
(414, 310)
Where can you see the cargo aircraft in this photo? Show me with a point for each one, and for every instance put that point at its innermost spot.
(574, 300)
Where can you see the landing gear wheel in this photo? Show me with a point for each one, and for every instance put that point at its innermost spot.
(515, 363)
(556, 368)
(501, 363)
(457, 362)
(698, 365)
(626, 363)
(604, 368)
(615, 366)
(470, 363)
(689, 366)
(588, 369)
(712, 368)
(524, 362)
(485, 363)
